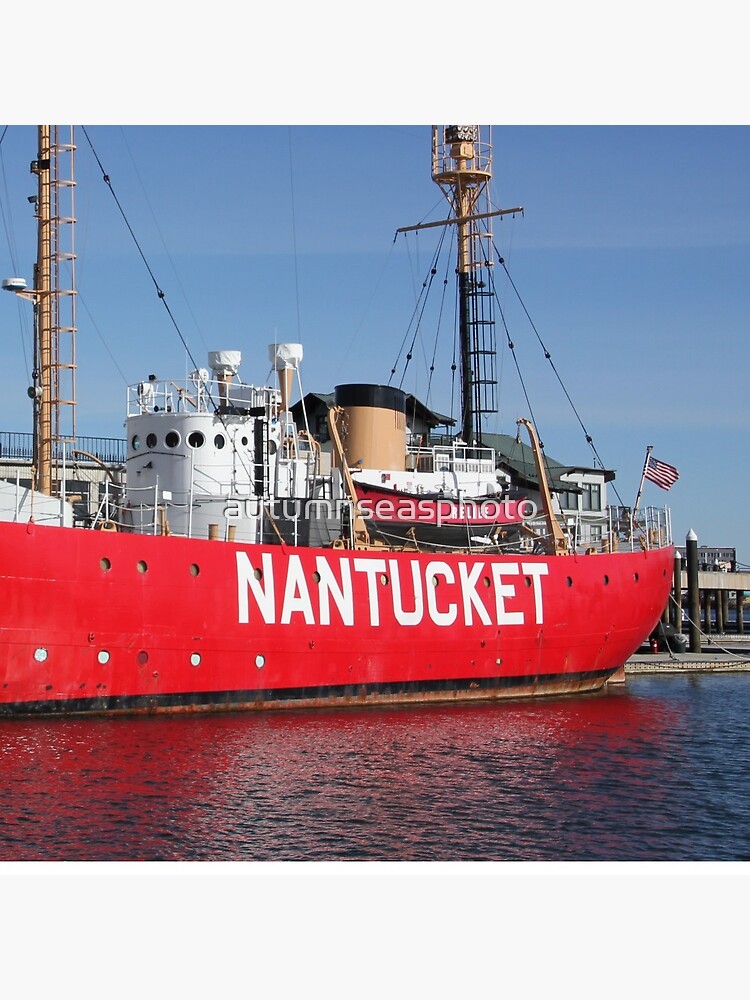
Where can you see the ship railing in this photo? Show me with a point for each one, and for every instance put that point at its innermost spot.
(20, 446)
(197, 395)
(148, 507)
(443, 160)
(450, 458)
(645, 528)
(107, 512)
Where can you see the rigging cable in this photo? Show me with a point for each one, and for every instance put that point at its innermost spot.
(416, 317)
(294, 231)
(162, 296)
(438, 325)
(512, 348)
(11, 238)
(159, 291)
(161, 237)
(548, 356)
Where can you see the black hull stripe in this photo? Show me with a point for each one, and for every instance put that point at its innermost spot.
(471, 689)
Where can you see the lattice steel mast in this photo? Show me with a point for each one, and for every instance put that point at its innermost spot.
(462, 167)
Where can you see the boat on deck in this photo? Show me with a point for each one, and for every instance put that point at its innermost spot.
(236, 570)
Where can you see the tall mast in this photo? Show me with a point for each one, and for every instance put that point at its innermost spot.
(42, 296)
(462, 167)
(53, 296)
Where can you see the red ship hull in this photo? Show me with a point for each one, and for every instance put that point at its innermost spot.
(124, 623)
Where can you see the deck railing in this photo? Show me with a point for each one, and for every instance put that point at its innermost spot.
(20, 446)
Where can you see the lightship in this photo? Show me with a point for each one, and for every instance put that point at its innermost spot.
(238, 567)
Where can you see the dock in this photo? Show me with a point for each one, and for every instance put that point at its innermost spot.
(719, 654)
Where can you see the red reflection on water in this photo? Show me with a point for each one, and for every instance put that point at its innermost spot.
(428, 783)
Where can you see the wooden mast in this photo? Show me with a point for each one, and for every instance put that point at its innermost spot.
(42, 387)
(54, 337)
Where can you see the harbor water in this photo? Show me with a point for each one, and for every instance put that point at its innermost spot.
(657, 769)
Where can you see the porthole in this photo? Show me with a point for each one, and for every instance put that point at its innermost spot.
(527, 581)
(196, 439)
(635, 577)
(606, 579)
(244, 442)
(105, 564)
(219, 441)
(141, 566)
(258, 573)
(135, 442)
(103, 656)
(194, 569)
(40, 654)
(316, 577)
(569, 581)
(384, 579)
(260, 661)
(195, 659)
(486, 581)
(142, 656)
(151, 440)
(172, 439)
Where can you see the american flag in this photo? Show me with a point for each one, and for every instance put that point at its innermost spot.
(660, 473)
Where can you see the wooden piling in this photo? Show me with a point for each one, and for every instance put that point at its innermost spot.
(740, 611)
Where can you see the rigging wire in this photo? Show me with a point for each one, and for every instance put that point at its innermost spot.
(159, 291)
(438, 325)
(11, 240)
(352, 340)
(512, 348)
(161, 236)
(294, 231)
(238, 454)
(548, 356)
(417, 314)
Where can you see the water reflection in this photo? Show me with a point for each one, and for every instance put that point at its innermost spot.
(655, 771)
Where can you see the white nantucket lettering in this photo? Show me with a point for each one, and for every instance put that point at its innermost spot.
(329, 587)
(372, 567)
(263, 594)
(535, 571)
(432, 571)
(431, 593)
(470, 595)
(503, 590)
(407, 617)
(296, 595)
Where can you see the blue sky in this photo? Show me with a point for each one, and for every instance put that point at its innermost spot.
(632, 259)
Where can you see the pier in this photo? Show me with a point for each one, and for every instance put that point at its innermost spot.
(731, 654)
(716, 643)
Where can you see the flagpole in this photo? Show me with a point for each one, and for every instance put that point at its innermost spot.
(649, 449)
